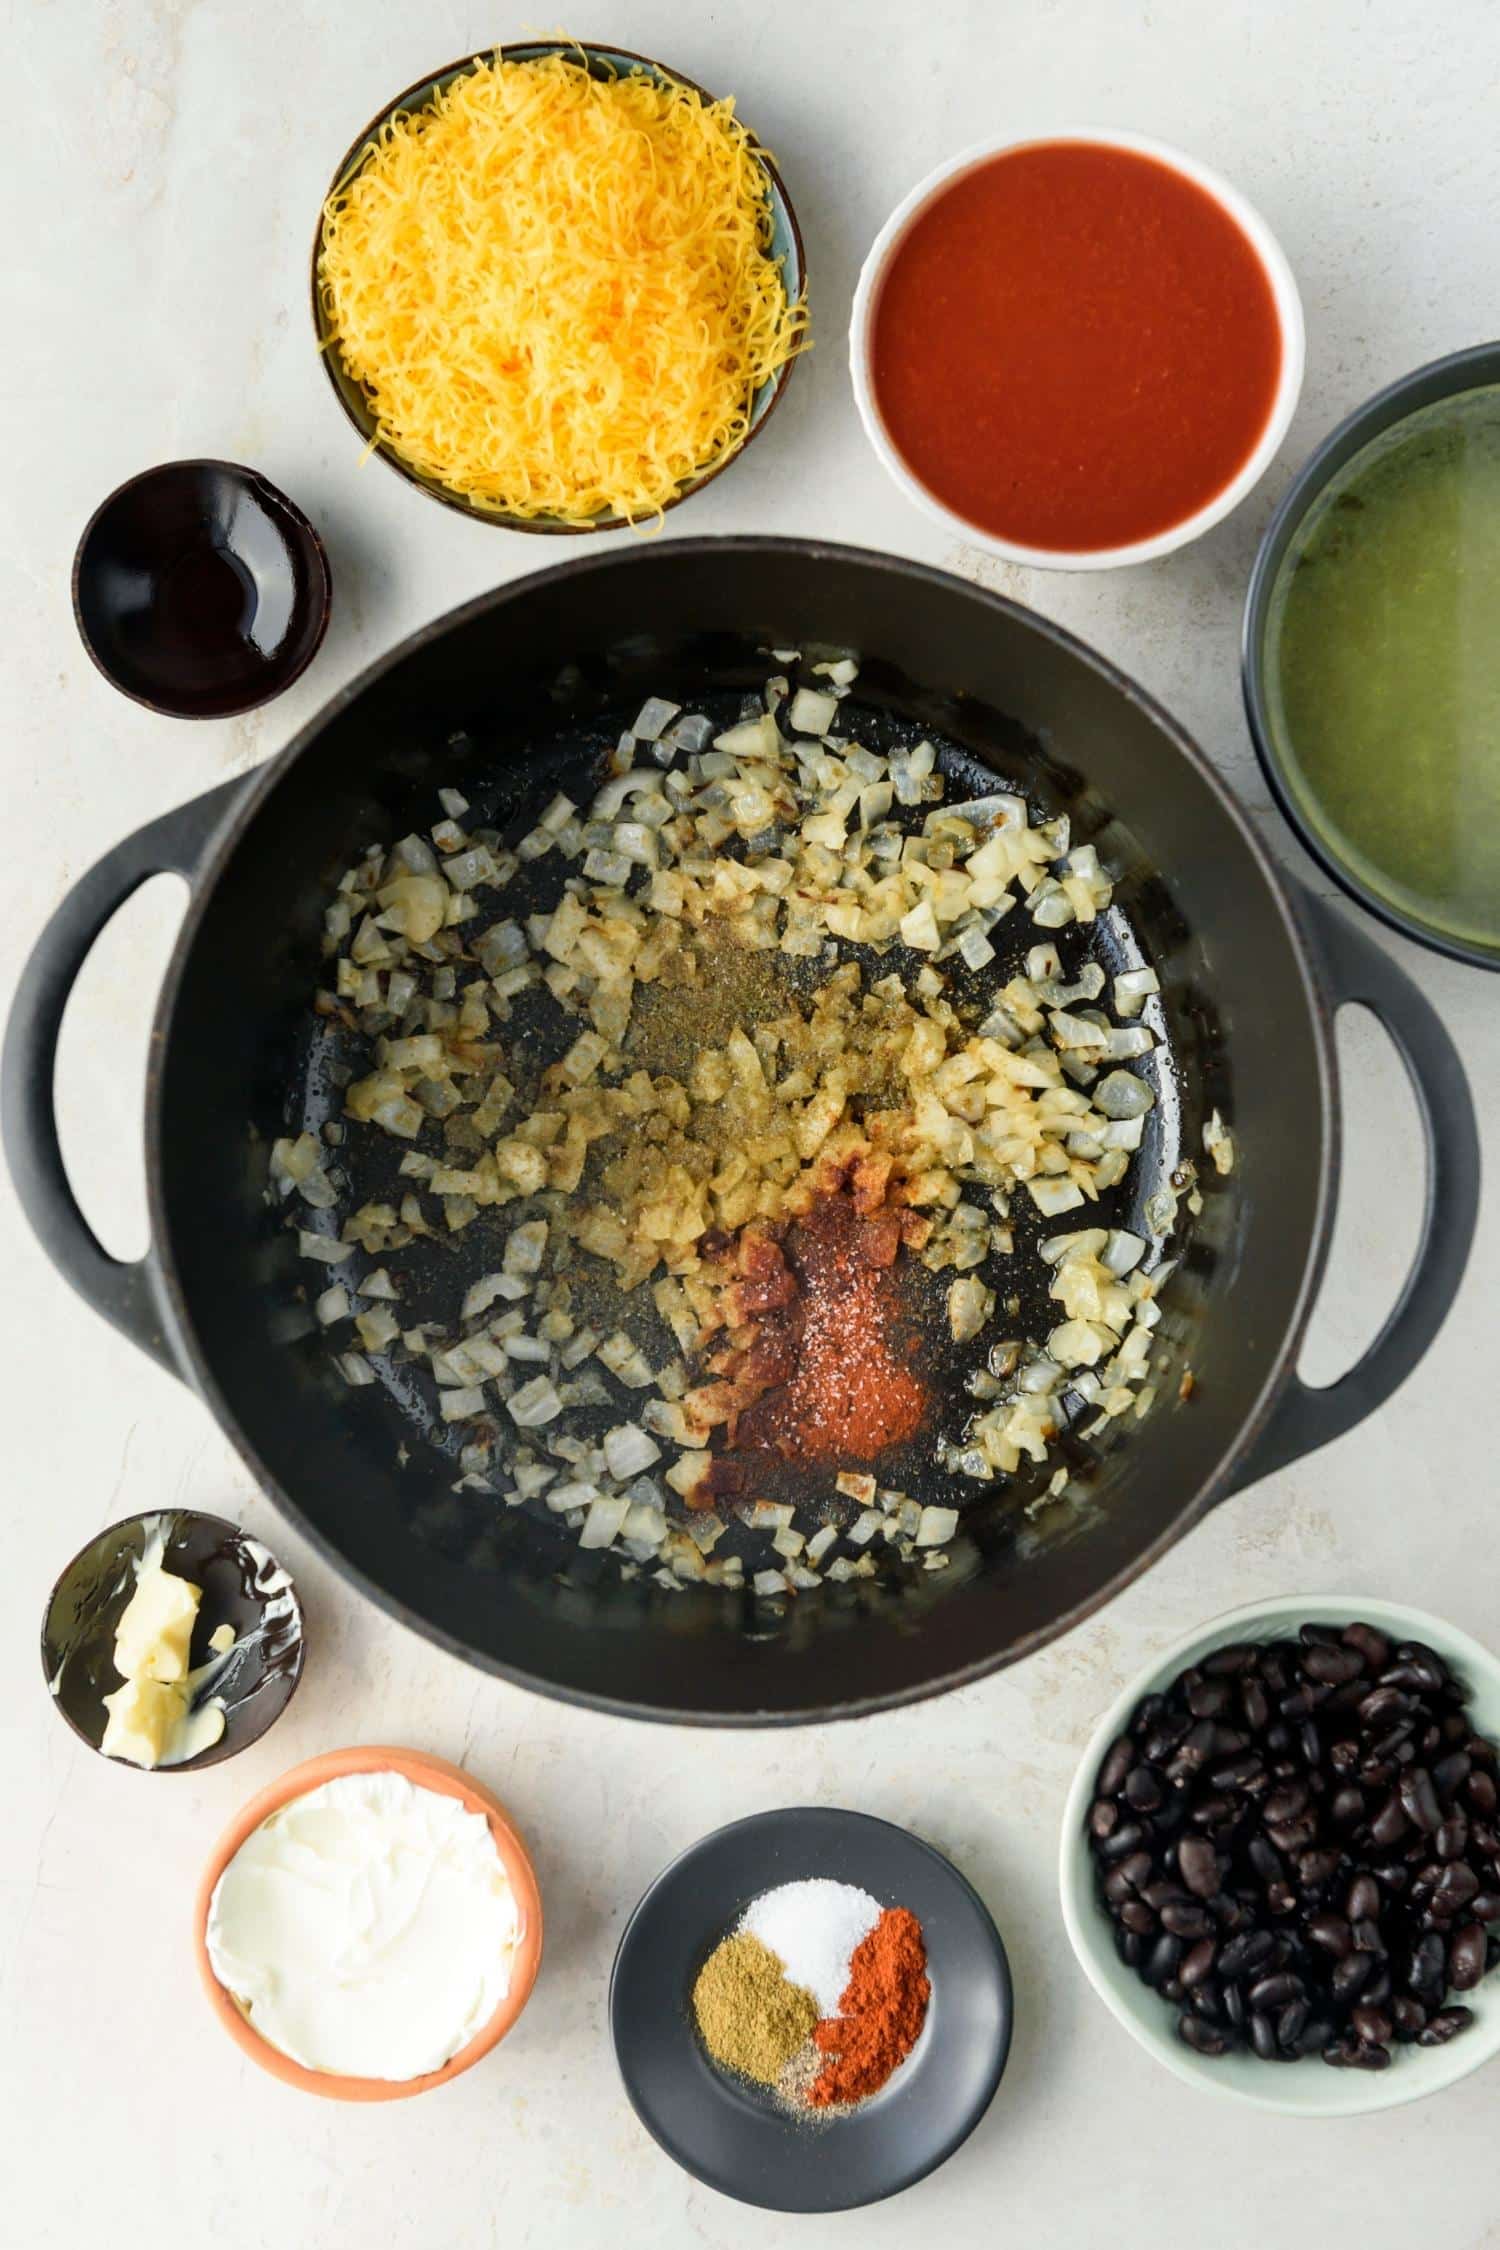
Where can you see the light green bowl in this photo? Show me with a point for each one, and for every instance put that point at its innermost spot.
(1308, 2088)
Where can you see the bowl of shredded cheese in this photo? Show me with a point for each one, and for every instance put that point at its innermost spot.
(558, 287)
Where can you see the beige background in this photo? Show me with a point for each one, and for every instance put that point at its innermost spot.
(162, 170)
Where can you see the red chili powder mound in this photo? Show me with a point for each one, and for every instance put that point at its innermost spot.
(881, 2012)
(829, 1338)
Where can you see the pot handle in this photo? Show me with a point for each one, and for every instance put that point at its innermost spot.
(1360, 973)
(125, 1291)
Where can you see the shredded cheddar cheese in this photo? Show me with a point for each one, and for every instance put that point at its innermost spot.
(556, 291)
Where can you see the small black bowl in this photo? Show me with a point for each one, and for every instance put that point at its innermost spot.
(1441, 378)
(243, 1586)
(730, 2134)
(200, 590)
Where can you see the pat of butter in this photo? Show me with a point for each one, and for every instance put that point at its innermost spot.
(154, 1632)
(144, 1717)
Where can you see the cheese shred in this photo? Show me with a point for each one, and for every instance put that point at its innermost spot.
(556, 291)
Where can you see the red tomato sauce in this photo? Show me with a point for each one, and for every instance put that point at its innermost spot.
(1075, 347)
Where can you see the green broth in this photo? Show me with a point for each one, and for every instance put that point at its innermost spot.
(1383, 666)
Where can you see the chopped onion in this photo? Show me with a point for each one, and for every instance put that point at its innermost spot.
(936, 1526)
(534, 1403)
(653, 716)
(1123, 1095)
(628, 1450)
(812, 712)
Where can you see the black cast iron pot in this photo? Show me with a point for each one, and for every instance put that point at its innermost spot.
(1252, 974)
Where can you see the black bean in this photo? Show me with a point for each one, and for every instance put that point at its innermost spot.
(1192, 1921)
(1143, 1789)
(1296, 1705)
(1362, 1900)
(1208, 1699)
(1427, 1975)
(1293, 1835)
(1466, 1957)
(1200, 1865)
(1246, 1774)
(1245, 1953)
(1372, 1646)
(1130, 1947)
(1118, 1760)
(1254, 1705)
(1280, 1898)
(1450, 1773)
(1372, 2024)
(1351, 1975)
(1387, 1751)
(1266, 1859)
(1318, 1636)
(1285, 1803)
(1485, 1906)
(1235, 1656)
(1314, 2036)
(1419, 1799)
(1316, 1869)
(1310, 1742)
(1203, 1999)
(1104, 1818)
(1263, 2037)
(1163, 1959)
(1423, 1673)
(1407, 2015)
(1201, 2036)
(1163, 1892)
(1445, 2025)
(1158, 1745)
(1452, 1839)
(1234, 2006)
(1367, 1937)
(1333, 1666)
(1382, 1705)
(1198, 1962)
(1135, 1916)
(1332, 1933)
(1389, 1825)
(1370, 2058)
(1275, 1990)
(1147, 1712)
(1481, 1791)
(1457, 1886)
(1392, 1875)
(1291, 2023)
(1126, 1839)
(1346, 1807)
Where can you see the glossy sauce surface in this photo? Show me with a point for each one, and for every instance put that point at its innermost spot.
(1075, 347)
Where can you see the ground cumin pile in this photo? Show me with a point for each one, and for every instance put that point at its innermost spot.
(751, 2018)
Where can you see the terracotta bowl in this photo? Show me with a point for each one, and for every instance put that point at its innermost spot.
(425, 1773)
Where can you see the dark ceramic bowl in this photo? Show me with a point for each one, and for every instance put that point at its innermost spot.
(734, 2136)
(602, 62)
(200, 590)
(243, 1586)
(1441, 378)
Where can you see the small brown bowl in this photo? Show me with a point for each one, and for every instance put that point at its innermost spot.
(423, 1772)
(199, 590)
(243, 1586)
(601, 62)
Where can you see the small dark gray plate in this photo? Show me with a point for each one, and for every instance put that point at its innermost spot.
(729, 2134)
(243, 1586)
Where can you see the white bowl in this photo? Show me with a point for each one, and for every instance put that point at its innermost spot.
(1310, 2088)
(1288, 311)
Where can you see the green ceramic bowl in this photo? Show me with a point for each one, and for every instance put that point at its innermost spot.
(602, 62)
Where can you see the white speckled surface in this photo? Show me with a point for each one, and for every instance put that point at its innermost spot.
(163, 165)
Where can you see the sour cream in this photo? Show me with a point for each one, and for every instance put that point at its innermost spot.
(366, 1928)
